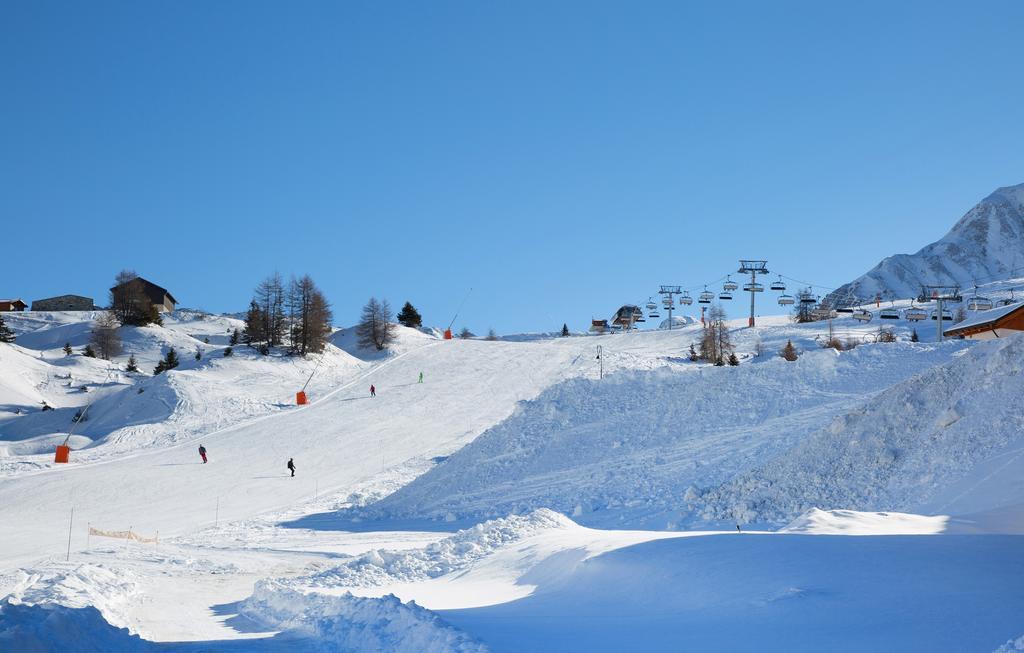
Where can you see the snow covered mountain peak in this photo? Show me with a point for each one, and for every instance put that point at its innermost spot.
(986, 244)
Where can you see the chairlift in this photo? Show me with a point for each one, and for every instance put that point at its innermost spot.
(729, 286)
(651, 306)
(807, 299)
(862, 315)
(753, 286)
(979, 303)
(705, 297)
(914, 314)
(778, 284)
(786, 300)
(947, 316)
(725, 295)
(685, 298)
(890, 313)
(654, 315)
(822, 313)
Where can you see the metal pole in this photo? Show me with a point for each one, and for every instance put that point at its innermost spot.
(753, 280)
(216, 514)
(70, 522)
(600, 358)
(938, 320)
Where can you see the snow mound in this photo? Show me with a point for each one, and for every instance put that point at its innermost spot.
(625, 451)
(352, 624)
(852, 522)
(69, 607)
(899, 450)
(382, 567)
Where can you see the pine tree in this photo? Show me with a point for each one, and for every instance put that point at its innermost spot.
(234, 337)
(694, 356)
(168, 362)
(254, 334)
(565, 330)
(491, 335)
(733, 360)
(133, 365)
(67, 349)
(88, 352)
(228, 351)
(410, 317)
(789, 351)
(6, 335)
(913, 336)
(465, 334)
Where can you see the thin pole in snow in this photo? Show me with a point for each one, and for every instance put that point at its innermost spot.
(88, 534)
(216, 514)
(70, 523)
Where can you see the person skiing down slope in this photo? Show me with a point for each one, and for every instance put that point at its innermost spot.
(202, 453)
(421, 377)
(373, 391)
(291, 466)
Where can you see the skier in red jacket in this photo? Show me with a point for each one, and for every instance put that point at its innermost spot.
(373, 391)
(202, 453)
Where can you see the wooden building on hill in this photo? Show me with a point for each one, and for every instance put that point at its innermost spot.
(993, 323)
(64, 303)
(160, 297)
(9, 305)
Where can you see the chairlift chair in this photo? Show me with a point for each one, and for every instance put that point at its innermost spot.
(786, 300)
(729, 285)
(979, 304)
(778, 284)
(725, 295)
(915, 314)
(807, 299)
(947, 316)
(705, 297)
(753, 286)
(862, 315)
(685, 298)
(890, 313)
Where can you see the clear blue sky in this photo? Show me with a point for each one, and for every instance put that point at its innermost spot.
(561, 158)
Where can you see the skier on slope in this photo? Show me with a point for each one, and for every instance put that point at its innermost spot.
(202, 453)
(373, 391)
(291, 465)
(421, 377)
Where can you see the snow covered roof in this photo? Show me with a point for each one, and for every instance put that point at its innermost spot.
(985, 318)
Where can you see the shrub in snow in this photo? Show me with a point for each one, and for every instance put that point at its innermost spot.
(789, 351)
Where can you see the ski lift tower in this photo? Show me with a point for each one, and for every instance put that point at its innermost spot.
(753, 268)
(669, 292)
(940, 295)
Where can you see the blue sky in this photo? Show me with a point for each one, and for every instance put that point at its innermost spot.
(561, 158)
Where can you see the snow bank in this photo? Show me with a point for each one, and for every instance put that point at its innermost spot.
(626, 451)
(352, 624)
(897, 450)
(852, 522)
(69, 607)
(383, 567)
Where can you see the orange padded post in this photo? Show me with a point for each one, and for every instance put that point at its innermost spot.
(300, 398)
(63, 452)
(447, 334)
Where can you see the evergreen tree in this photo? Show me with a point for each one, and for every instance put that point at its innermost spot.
(733, 360)
(565, 330)
(168, 362)
(67, 349)
(234, 337)
(913, 336)
(410, 317)
(491, 335)
(789, 351)
(254, 324)
(88, 352)
(6, 335)
(694, 356)
(133, 365)
(466, 334)
(228, 351)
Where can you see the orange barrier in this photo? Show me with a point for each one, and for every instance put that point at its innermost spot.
(447, 334)
(63, 452)
(300, 398)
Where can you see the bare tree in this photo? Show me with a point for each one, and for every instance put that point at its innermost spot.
(310, 316)
(104, 336)
(375, 328)
(715, 344)
(270, 298)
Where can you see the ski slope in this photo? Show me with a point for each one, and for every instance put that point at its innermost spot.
(500, 504)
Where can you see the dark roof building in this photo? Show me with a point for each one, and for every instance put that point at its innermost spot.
(159, 296)
(64, 303)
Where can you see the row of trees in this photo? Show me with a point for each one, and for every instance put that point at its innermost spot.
(296, 315)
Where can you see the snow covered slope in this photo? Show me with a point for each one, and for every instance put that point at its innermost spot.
(986, 244)
(630, 451)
